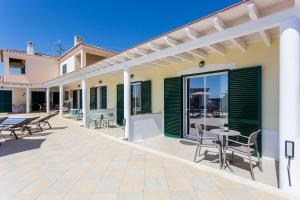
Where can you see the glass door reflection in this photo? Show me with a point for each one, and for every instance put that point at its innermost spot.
(206, 102)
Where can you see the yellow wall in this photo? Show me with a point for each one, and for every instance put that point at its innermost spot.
(256, 54)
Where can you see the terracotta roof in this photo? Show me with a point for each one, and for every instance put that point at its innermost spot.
(25, 53)
(88, 45)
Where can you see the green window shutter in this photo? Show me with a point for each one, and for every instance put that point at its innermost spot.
(75, 99)
(5, 101)
(103, 97)
(93, 98)
(64, 69)
(80, 99)
(146, 97)
(245, 101)
(120, 104)
(173, 107)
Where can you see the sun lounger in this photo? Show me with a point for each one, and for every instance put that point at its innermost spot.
(21, 125)
(43, 121)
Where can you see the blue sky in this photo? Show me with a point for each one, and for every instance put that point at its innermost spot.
(116, 25)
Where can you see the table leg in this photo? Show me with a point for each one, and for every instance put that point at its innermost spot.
(225, 160)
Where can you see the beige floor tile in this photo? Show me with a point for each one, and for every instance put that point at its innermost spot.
(35, 188)
(74, 163)
(132, 185)
(130, 196)
(155, 172)
(210, 195)
(104, 196)
(179, 184)
(260, 195)
(156, 185)
(50, 197)
(84, 187)
(156, 196)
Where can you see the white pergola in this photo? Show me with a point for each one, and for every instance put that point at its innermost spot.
(243, 23)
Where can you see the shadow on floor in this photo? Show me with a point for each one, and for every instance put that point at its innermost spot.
(188, 142)
(13, 146)
(34, 134)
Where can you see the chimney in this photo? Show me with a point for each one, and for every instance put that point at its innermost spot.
(77, 40)
(30, 49)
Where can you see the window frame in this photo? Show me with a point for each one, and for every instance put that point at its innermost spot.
(23, 72)
(134, 110)
(64, 69)
(66, 91)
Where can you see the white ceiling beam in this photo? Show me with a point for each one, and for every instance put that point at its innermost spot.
(263, 23)
(173, 42)
(220, 26)
(218, 48)
(186, 56)
(191, 33)
(120, 59)
(200, 53)
(130, 56)
(154, 47)
(155, 63)
(194, 35)
(254, 15)
(140, 51)
(172, 59)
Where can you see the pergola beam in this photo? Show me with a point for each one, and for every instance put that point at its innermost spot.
(192, 34)
(218, 48)
(254, 15)
(173, 42)
(220, 26)
(157, 48)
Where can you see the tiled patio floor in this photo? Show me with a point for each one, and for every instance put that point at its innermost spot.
(69, 162)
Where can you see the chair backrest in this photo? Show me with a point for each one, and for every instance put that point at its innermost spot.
(46, 117)
(199, 129)
(2, 119)
(253, 138)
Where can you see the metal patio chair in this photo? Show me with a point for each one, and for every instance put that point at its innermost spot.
(208, 140)
(246, 149)
(107, 118)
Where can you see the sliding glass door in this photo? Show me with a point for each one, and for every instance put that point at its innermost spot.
(206, 102)
(136, 97)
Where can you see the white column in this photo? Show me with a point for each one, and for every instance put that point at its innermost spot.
(27, 100)
(127, 101)
(84, 103)
(48, 100)
(289, 99)
(83, 58)
(61, 101)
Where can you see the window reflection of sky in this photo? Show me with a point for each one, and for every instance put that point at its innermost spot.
(217, 85)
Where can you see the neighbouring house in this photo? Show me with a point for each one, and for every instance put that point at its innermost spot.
(238, 67)
(25, 72)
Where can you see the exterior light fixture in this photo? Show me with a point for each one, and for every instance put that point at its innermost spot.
(100, 82)
(289, 153)
(78, 86)
(131, 76)
(201, 63)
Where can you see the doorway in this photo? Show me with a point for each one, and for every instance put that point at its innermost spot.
(205, 102)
